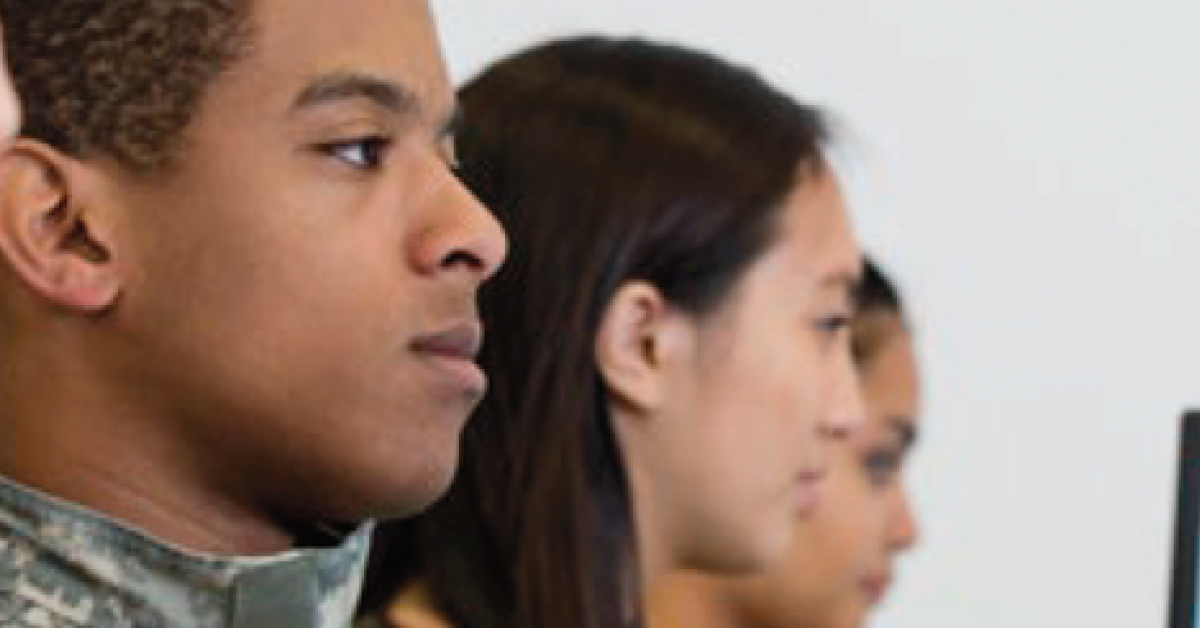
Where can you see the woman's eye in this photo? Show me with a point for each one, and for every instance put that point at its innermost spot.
(365, 153)
(882, 466)
(833, 325)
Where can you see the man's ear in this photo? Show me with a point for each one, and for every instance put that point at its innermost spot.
(641, 342)
(57, 243)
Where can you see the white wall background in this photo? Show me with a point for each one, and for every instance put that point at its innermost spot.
(1030, 169)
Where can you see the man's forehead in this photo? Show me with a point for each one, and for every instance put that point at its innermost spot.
(388, 42)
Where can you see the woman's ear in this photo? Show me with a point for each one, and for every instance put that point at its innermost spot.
(640, 345)
(57, 243)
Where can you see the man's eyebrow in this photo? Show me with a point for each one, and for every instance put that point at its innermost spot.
(342, 86)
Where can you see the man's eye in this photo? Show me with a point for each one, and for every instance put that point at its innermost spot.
(364, 153)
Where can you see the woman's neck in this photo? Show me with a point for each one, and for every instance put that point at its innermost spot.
(688, 600)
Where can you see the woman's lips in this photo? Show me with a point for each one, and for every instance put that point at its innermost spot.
(808, 489)
(875, 587)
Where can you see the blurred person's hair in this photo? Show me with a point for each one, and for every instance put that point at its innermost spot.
(119, 78)
(875, 296)
(607, 161)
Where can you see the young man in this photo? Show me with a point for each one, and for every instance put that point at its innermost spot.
(237, 305)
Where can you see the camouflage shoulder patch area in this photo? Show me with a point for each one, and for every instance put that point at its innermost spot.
(64, 567)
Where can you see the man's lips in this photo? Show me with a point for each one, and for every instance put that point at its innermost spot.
(461, 341)
(453, 351)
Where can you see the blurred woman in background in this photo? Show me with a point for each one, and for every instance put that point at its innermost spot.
(669, 343)
(841, 563)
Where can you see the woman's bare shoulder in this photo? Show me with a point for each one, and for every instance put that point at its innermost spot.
(411, 608)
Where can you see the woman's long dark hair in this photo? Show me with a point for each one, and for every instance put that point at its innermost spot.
(607, 161)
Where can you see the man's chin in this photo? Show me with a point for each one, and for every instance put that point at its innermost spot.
(416, 496)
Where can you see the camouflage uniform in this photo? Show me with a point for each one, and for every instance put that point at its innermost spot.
(63, 567)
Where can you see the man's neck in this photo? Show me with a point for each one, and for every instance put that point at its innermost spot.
(75, 442)
(140, 496)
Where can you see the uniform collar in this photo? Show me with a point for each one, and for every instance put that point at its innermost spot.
(83, 565)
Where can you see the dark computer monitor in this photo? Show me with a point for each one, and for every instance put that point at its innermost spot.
(1187, 526)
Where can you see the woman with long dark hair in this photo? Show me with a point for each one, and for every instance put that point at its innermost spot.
(668, 345)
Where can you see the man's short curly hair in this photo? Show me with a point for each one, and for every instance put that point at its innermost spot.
(119, 78)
